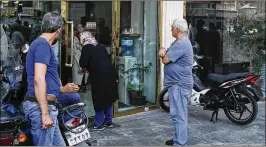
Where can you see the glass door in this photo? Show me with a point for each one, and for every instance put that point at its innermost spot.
(70, 71)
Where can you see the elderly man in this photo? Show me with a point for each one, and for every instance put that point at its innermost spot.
(178, 60)
(44, 84)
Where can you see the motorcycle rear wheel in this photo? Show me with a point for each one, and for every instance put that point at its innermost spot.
(251, 100)
(164, 99)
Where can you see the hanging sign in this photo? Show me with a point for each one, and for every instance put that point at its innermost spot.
(91, 25)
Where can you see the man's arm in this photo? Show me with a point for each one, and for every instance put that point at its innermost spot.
(40, 93)
(40, 86)
(42, 56)
(174, 53)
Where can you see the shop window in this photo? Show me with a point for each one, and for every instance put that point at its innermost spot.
(137, 58)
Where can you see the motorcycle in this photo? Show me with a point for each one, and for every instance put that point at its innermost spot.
(15, 130)
(225, 92)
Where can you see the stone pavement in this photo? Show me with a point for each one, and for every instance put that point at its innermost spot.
(153, 128)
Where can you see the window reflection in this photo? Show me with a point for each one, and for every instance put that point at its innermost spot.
(224, 30)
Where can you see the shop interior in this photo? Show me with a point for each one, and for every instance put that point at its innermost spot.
(132, 68)
(135, 57)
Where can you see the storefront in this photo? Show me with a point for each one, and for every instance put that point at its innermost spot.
(132, 28)
(131, 31)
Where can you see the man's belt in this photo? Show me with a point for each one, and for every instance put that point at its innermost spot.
(50, 100)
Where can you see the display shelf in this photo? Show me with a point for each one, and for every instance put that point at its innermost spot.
(130, 35)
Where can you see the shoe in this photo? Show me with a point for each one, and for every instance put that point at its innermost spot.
(109, 125)
(170, 142)
(99, 128)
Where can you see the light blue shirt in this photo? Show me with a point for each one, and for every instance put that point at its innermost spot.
(179, 70)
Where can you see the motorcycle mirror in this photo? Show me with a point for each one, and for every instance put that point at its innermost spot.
(25, 48)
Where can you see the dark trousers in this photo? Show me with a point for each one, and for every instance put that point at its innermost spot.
(102, 117)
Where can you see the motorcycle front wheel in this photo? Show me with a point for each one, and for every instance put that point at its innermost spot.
(244, 98)
(164, 100)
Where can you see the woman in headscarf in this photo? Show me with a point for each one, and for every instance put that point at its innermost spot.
(95, 59)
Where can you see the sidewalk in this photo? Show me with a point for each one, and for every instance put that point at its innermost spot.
(153, 128)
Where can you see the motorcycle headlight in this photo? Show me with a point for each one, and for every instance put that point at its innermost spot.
(22, 137)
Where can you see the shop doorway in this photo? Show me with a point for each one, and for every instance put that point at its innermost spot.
(80, 14)
(117, 23)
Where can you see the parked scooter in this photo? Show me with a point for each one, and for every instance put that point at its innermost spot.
(15, 130)
(223, 92)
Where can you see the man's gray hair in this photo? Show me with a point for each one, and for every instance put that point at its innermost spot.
(51, 22)
(181, 24)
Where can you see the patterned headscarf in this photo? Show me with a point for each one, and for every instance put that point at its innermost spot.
(87, 38)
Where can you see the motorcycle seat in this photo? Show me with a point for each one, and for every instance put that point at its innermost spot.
(223, 78)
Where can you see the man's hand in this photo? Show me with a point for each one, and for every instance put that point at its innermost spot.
(162, 52)
(71, 87)
(162, 55)
(47, 121)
